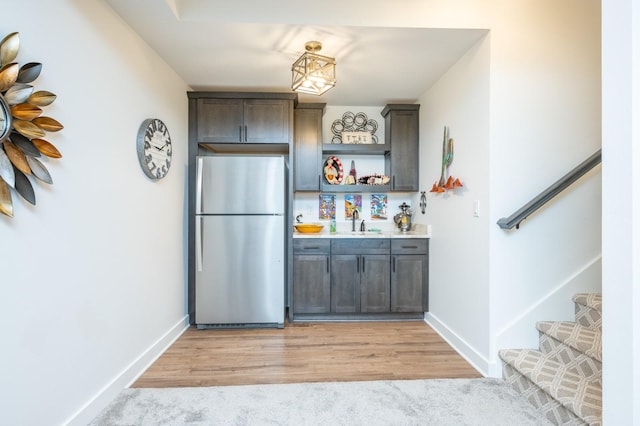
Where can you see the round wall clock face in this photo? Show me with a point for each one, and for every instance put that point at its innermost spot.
(154, 148)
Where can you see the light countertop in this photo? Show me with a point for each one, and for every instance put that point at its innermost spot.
(417, 231)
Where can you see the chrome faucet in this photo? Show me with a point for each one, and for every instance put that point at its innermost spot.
(362, 226)
(354, 217)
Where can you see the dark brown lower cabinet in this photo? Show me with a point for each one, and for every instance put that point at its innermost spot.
(360, 283)
(311, 276)
(375, 285)
(409, 275)
(360, 278)
(345, 284)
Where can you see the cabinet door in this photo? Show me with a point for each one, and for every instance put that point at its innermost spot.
(307, 147)
(409, 277)
(312, 284)
(375, 285)
(401, 128)
(345, 279)
(267, 121)
(220, 120)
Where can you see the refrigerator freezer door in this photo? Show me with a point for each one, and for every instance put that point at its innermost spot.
(241, 281)
(236, 184)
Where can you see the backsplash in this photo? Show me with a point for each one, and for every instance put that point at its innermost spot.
(307, 204)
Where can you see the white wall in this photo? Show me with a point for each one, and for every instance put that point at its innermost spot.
(545, 119)
(523, 108)
(459, 248)
(92, 283)
(621, 211)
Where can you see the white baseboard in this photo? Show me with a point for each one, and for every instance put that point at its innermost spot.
(129, 375)
(465, 350)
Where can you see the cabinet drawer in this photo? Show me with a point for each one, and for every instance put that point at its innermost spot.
(311, 246)
(410, 246)
(360, 246)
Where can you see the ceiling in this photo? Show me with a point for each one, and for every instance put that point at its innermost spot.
(249, 45)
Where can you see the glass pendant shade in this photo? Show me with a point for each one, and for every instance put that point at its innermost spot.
(313, 73)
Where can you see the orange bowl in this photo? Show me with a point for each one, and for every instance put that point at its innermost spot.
(309, 228)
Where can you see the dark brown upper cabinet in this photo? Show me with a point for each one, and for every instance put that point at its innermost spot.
(402, 136)
(222, 117)
(307, 146)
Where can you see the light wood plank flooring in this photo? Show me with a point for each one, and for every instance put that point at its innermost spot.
(309, 352)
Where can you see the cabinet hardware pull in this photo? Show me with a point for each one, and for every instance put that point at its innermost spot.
(327, 264)
(363, 264)
(393, 182)
(358, 264)
(246, 137)
(312, 248)
(410, 247)
(239, 133)
(394, 264)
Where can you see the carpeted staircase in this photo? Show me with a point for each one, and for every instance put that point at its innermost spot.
(563, 379)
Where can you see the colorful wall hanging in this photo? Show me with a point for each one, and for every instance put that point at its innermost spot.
(378, 206)
(352, 202)
(22, 127)
(447, 158)
(327, 206)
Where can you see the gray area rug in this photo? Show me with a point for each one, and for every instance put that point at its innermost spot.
(406, 402)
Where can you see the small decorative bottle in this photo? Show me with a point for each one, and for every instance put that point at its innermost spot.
(332, 226)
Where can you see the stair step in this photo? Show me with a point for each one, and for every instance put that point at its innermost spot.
(544, 403)
(583, 339)
(573, 345)
(588, 309)
(580, 395)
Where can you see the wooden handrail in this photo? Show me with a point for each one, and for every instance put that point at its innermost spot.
(553, 190)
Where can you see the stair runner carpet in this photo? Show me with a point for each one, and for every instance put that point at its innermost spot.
(563, 379)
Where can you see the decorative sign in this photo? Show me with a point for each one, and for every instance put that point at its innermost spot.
(357, 137)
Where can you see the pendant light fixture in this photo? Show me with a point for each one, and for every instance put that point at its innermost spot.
(313, 73)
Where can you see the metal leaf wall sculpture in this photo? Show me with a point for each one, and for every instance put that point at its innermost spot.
(22, 127)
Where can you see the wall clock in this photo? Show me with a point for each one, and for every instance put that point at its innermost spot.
(154, 148)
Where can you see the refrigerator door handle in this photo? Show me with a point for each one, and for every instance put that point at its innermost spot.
(199, 244)
(199, 167)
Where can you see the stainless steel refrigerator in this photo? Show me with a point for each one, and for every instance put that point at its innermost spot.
(240, 241)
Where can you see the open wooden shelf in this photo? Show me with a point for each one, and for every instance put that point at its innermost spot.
(354, 188)
(354, 149)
